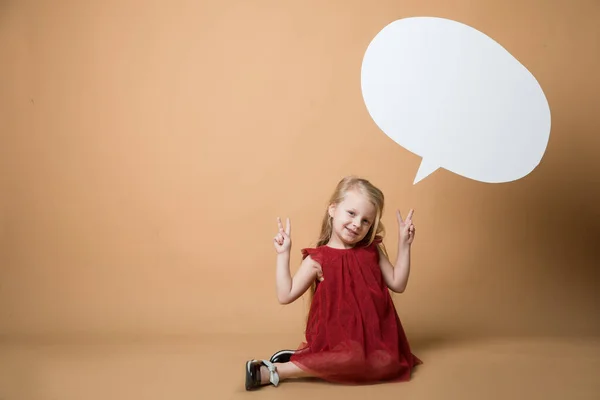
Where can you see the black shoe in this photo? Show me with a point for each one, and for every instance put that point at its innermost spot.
(282, 356)
(253, 374)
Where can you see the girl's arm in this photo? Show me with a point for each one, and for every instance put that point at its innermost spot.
(396, 276)
(289, 289)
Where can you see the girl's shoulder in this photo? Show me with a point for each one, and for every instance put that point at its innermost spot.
(316, 253)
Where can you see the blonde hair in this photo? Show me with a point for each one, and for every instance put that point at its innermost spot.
(377, 230)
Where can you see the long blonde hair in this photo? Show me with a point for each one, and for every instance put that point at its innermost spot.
(377, 229)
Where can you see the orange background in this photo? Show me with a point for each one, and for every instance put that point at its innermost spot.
(147, 149)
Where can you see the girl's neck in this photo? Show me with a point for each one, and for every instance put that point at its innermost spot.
(336, 243)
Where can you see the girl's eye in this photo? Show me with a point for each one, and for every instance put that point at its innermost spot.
(365, 222)
(351, 212)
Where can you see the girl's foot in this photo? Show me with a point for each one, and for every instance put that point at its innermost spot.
(264, 375)
(282, 356)
(259, 373)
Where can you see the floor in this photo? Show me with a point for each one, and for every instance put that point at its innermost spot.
(212, 367)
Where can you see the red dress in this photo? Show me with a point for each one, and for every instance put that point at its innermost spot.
(353, 333)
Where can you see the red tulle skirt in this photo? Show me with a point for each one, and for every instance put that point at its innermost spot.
(353, 332)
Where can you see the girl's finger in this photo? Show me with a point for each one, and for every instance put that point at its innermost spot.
(399, 216)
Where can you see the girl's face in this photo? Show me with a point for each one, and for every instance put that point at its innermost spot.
(351, 219)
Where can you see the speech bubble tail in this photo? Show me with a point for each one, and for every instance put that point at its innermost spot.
(425, 169)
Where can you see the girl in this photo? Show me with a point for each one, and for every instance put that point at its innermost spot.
(353, 333)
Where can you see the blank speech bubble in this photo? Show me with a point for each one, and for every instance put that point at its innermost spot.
(457, 98)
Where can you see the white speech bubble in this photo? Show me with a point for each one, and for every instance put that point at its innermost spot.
(455, 97)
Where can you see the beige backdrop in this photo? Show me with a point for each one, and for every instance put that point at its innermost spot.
(147, 149)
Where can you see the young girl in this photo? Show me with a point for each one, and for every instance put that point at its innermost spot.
(353, 333)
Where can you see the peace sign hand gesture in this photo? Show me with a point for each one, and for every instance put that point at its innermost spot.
(282, 240)
(406, 228)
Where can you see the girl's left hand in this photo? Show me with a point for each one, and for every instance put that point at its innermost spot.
(406, 228)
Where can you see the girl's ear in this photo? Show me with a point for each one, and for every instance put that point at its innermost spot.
(331, 210)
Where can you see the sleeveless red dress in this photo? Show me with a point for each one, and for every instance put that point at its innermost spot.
(353, 333)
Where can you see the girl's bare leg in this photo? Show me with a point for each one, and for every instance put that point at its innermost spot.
(285, 370)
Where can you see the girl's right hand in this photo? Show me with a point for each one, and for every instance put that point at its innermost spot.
(282, 240)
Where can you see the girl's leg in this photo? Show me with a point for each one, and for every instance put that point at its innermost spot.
(285, 370)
